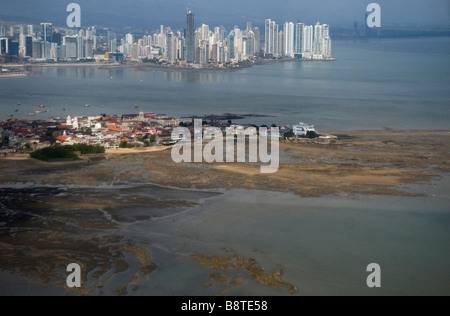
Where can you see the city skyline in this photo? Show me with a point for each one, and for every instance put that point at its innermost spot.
(195, 44)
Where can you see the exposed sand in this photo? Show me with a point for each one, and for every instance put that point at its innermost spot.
(52, 228)
(121, 151)
(369, 162)
(236, 262)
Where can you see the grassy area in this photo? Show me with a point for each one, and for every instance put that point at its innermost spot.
(66, 152)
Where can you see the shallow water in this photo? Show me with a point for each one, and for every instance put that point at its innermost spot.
(323, 245)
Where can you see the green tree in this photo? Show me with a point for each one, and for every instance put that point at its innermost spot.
(123, 144)
(289, 134)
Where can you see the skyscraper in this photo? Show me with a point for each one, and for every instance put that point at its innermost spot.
(46, 32)
(288, 45)
(30, 30)
(271, 37)
(231, 45)
(190, 37)
(257, 43)
(318, 42)
(29, 46)
(170, 47)
(298, 41)
(307, 41)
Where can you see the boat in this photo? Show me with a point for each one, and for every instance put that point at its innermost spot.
(10, 115)
(87, 105)
(16, 110)
(42, 106)
(37, 112)
(18, 103)
(136, 106)
(31, 114)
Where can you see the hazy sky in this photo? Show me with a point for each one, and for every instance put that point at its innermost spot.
(150, 13)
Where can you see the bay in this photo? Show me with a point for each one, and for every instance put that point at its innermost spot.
(398, 83)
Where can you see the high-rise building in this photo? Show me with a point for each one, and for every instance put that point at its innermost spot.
(14, 49)
(30, 30)
(204, 32)
(29, 46)
(70, 42)
(280, 43)
(4, 45)
(46, 50)
(2, 31)
(46, 32)
(89, 48)
(271, 38)
(249, 41)
(257, 43)
(129, 39)
(268, 37)
(307, 41)
(190, 37)
(215, 53)
(322, 41)
(171, 47)
(298, 41)
(22, 40)
(37, 49)
(318, 36)
(326, 42)
(288, 45)
(80, 44)
(219, 33)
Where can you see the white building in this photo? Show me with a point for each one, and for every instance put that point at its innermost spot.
(307, 41)
(271, 38)
(288, 45)
(302, 129)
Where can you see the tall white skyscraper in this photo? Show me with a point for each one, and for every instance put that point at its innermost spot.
(204, 32)
(322, 41)
(317, 44)
(307, 41)
(326, 42)
(129, 39)
(288, 45)
(271, 38)
(30, 30)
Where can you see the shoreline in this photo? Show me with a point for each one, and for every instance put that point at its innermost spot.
(365, 162)
(167, 68)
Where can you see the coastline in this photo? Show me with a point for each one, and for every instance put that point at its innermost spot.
(150, 67)
(361, 162)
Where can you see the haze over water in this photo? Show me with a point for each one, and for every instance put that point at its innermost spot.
(398, 83)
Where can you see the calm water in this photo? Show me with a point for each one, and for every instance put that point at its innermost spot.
(401, 84)
(323, 245)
